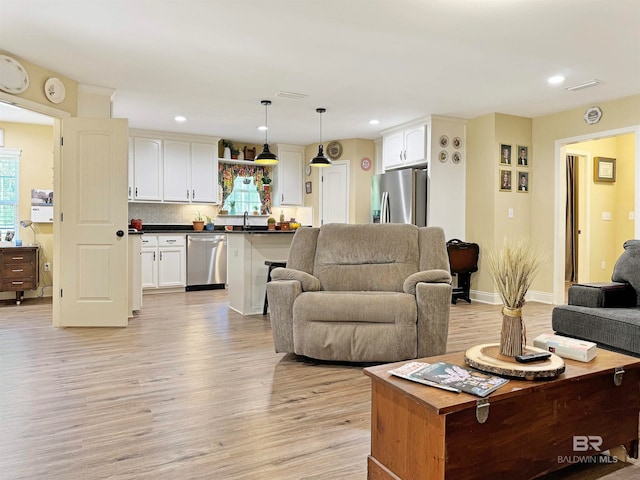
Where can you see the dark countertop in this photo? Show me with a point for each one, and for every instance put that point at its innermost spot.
(188, 229)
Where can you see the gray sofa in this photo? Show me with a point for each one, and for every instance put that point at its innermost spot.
(606, 313)
(362, 293)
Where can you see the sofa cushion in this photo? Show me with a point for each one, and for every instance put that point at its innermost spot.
(613, 328)
(365, 307)
(366, 257)
(627, 268)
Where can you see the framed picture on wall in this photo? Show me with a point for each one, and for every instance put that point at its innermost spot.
(523, 181)
(505, 154)
(505, 180)
(523, 156)
(604, 169)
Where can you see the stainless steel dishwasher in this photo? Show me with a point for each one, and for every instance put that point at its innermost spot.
(206, 261)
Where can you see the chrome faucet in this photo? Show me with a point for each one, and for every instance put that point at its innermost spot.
(245, 220)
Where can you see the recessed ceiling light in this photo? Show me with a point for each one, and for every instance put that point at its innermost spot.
(374, 122)
(555, 80)
(262, 128)
(180, 119)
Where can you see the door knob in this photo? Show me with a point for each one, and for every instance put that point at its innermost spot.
(120, 233)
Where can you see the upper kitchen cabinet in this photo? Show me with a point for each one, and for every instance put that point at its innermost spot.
(147, 169)
(184, 168)
(404, 146)
(289, 175)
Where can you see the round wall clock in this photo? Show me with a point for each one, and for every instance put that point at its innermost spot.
(365, 164)
(54, 90)
(308, 170)
(334, 150)
(13, 76)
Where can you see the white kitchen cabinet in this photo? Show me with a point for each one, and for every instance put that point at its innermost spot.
(147, 169)
(204, 173)
(177, 187)
(289, 175)
(404, 147)
(135, 273)
(164, 261)
(166, 167)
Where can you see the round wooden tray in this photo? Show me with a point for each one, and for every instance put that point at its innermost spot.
(487, 358)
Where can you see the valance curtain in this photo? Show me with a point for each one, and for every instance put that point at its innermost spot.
(228, 172)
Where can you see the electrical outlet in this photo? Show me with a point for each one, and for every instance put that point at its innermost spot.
(47, 267)
(510, 214)
(604, 264)
(632, 215)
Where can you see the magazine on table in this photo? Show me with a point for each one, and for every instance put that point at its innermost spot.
(450, 377)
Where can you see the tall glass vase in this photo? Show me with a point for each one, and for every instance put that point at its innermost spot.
(512, 336)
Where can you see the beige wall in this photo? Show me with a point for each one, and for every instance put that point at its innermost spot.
(617, 114)
(353, 150)
(36, 171)
(37, 78)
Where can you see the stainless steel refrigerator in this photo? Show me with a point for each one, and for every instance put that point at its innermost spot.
(400, 196)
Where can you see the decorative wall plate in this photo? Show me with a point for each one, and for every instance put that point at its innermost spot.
(54, 90)
(456, 157)
(334, 150)
(13, 76)
(592, 115)
(444, 141)
(365, 164)
(456, 142)
(443, 156)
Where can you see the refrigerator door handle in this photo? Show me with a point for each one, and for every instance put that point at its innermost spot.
(384, 208)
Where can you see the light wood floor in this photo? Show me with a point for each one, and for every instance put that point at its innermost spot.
(192, 390)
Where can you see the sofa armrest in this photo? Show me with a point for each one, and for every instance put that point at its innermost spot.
(425, 276)
(281, 295)
(434, 303)
(308, 282)
(602, 295)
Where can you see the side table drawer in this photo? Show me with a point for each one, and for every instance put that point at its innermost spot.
(17, 285)
(18, 270)
(22, 257)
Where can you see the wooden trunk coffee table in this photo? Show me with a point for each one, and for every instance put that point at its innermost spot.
(530, 427)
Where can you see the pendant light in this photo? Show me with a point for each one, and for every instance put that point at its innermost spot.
(320, 160)
(266, 157)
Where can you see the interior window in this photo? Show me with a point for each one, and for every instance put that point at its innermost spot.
(9, 172)
(244, 197)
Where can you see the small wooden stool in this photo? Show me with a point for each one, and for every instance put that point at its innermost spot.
(271, 265)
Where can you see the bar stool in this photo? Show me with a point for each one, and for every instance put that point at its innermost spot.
(271, 264)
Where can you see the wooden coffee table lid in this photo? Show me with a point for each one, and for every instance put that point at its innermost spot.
(487, 358)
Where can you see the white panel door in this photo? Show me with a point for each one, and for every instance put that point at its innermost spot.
(204, 173)
(335, 193)
(91, 225)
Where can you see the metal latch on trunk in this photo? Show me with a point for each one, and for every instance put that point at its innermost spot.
(617, 376)
(482, 410)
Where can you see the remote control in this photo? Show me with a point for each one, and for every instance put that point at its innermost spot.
(532, 357)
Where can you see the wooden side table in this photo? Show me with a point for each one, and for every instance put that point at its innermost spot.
(19, 270)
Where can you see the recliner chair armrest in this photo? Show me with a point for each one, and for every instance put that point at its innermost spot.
(281, 295)
(602, 295)
(425, 276)
(308, 282)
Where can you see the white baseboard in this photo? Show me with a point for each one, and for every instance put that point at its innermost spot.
(494, 298)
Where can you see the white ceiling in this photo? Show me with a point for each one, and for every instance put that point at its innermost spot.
(393, 60)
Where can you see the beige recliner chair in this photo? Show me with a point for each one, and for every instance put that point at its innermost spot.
(362, 293)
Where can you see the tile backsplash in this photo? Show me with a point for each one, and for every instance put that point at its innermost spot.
(169, 213)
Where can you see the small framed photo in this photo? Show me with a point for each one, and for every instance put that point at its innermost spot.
(505, 180)
(505, 154)
(307, 187)
(523, 181)
(523, 156)
(604, 169)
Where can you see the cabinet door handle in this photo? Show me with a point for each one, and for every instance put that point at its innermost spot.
(129, 191)
(136, 192)
(17, 258)
(187, 194)
(160, 256)
(18, 270)
(193, 194)
(154, 256)
(171, 240)
(17, 283)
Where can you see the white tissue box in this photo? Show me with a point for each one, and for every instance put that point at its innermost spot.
(566, 347)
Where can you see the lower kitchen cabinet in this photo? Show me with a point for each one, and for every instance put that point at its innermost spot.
(164, 262)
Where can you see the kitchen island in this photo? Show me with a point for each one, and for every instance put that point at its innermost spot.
(246, 271)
